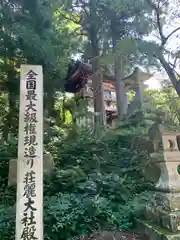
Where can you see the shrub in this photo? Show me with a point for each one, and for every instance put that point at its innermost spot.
(7, 223)
(94, 186)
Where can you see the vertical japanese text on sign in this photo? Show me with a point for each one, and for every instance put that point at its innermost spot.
(30, 143)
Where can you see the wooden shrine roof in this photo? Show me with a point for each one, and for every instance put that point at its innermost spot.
(79, 72)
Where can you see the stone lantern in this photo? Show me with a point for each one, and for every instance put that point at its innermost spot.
(135, 81)
(161, 219)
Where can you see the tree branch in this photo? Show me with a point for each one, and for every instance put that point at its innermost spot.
(158, 21)
(164, 38)
(71, 19)
(172, 66)
(174, 31)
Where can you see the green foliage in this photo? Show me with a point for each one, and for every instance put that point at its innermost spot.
(7, 151)
(7, 195)
(98, 176)
(94, 186)
(34, 33)
(77, 215)
(167, 99)
(97, 179)
(7, 223)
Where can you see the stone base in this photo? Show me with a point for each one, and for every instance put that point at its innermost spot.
(167, 201)
(168, 220)
(163, 209)
(154, 232)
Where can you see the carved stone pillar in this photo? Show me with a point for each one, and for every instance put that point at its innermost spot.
(168, 162)
(126, 102)
(139, 90)
(162, 212)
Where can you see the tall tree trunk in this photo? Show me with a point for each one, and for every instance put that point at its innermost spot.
(97, 78)
(97, 83)
(120, 89)
(170, 72)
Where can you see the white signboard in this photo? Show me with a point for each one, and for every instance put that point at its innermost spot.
(29, 202)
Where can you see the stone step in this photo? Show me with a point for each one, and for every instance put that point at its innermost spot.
(154, 232)
(168, 220)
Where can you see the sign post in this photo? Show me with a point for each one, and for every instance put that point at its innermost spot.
(29, 202)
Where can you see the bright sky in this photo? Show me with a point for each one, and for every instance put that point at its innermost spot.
(173, 43)
(154, 82)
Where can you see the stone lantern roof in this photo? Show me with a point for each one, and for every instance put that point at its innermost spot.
(138, 76)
